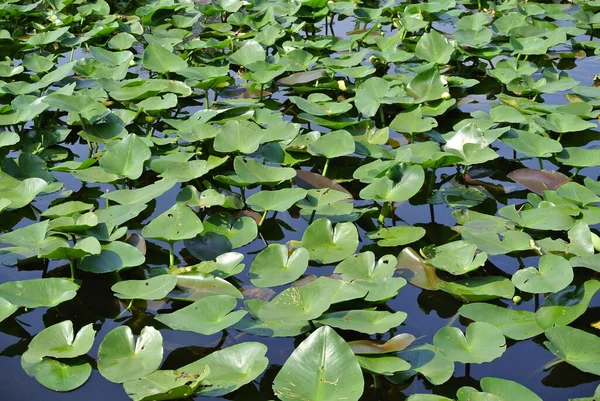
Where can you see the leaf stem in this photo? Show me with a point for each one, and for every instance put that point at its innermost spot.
(262, 219)
(312, 216)
(325, 168)
(383, 213)
(72, 266)
(171, 255)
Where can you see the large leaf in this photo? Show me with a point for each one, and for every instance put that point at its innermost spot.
(157, 58)
(326, 244)
(279, 200)
(481, 343)
(553, 274)
(323, 367)
(62, 375)
(434, 47)
(114, 256)
(399, 184)
(277, 265)
(206, 316)
(176, 224)
(121, 359)
(364, 321)
(575, 347)
(126, 157)
(232, 367)
(35, 293)
(57, 341)
(154, 288)
(515, 324)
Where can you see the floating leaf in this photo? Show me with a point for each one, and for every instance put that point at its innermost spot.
(279, 200)
(62, 375)
(538, 181)
(515, 324)
(364, 321)
(553, 274)
(35, 293)
(314, 370)
(277, 265)
(326, 244)
(120, 359)
(176, 224)
(154, 288)
(395, 344)
(575, 347)
(206, 316)
(481, 343)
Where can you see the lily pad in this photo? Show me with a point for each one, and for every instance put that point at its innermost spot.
(575, 347)
(326, 244)
(206, 316)
(277, 265)
(120, 359)
(553, 274)
(481, 343)
(313, 371)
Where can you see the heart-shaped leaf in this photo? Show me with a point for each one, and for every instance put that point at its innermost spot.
(277, 265)
(553, 274)
(327, 245)
(482, 343)
(121, 359)
(314, 370)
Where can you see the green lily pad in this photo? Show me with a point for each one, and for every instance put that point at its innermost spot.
(399, 184)
(206, 316)
(277, 265)
(326, 244)
(457, 258)
(157, 58)
(434, 47)
(426, 360)
(154, 288)
(397, 235)
(514, 324)
(232, 367)
(126, 157)
(6, 309)
(120, 359)
(23, 194)
(482, 343)
(36, 293)
(333, 144)
(62, 375)
(141, 195)
(166, 384)
(364, 321)
(176, 224)
(279, 200)
(563, 307)
(382, 364)
(576, 347)
(302, 303)
(375, 278)
(554, 274)
(58, 341)
(313, 370)
(252, 172)
(113, 256)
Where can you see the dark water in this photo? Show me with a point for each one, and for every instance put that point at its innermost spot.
(427, 311)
